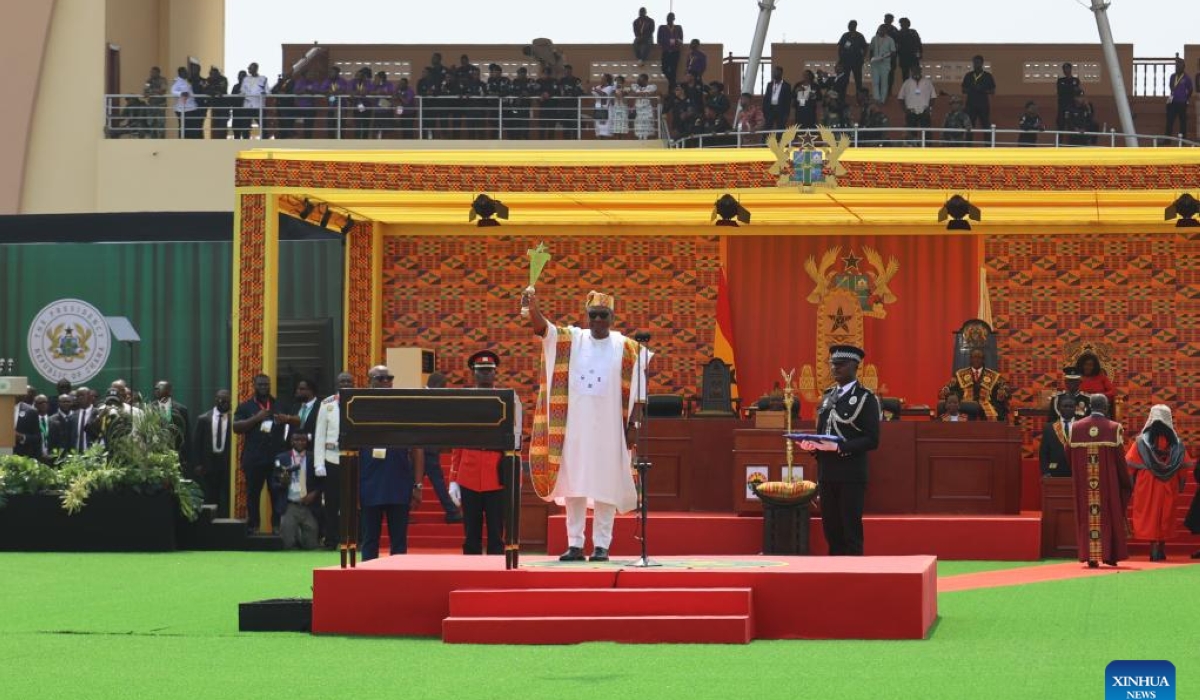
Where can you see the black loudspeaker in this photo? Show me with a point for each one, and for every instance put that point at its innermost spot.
(276, 615)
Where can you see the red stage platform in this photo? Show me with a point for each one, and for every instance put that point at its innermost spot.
(701, 599)
(950, 537)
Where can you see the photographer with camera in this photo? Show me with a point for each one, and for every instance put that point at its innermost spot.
(298, 490)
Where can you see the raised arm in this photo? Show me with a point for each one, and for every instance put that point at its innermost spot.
(537, 322)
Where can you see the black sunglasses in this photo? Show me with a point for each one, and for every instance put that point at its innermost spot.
(597, 314)
(384, 377)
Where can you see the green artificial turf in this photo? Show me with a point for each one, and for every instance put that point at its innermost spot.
(165, 626)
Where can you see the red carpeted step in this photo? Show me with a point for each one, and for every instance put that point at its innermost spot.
(601, 602)
(718, 629)
(574, 615)
(443, 542)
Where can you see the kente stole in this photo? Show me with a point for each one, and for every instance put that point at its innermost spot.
(550, 414)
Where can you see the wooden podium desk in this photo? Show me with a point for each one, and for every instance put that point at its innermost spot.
(919, 468)
(691, 459)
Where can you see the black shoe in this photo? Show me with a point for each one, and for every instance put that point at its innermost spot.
(572, 554)
(1093, 564)
(599, 554)
(1196, 554)
(455, 517)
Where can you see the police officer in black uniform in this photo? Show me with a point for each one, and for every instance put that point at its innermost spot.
(851, 412)
(1083, 403)
(499, 88)
(518, 105)
(1064, 89)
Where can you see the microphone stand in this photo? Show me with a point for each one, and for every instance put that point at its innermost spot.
(640, 464)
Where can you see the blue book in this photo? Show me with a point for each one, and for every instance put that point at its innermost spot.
(812, 437)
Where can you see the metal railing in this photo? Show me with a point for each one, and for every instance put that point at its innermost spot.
(1151, 76)
(862, 137)
(386, 117)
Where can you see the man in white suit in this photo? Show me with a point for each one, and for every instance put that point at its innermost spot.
(327, 460)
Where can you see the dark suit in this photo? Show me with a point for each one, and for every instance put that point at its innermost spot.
(309, 426)
(29, 432)
(385, 488)
(843, 474)
(1053, 452)
(776, 115)
(258, 456)
(212, 467)
(181, 419)
(84, 435)
(62, 432)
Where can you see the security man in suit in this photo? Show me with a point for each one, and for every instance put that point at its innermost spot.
(389, 485)
(851, 412)
(28, 431)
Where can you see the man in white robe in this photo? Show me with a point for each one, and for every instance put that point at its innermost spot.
(588, 413)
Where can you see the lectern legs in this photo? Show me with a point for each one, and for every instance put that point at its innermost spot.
(512, 510)
(348, 548)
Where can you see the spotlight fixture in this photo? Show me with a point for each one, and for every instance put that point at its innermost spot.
(326, 216)
(484, 208)
(960, 209)
(346, 227)
(1186, 207)
(307, 210)
(729, 209)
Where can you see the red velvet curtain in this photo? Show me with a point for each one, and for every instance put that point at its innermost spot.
(774, 326)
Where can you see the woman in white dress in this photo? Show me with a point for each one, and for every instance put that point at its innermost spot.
(644, 112)
(619, 114)
(603, 106)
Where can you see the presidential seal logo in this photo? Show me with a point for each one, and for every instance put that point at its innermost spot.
(69, 339)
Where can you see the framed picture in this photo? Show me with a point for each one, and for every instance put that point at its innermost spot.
(752, 470)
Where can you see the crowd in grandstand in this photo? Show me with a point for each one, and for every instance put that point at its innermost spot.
(459, 101)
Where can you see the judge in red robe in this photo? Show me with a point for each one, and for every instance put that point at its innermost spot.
(1157, 459)
(1102, 487)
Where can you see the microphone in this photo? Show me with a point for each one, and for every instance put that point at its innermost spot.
(642, 336)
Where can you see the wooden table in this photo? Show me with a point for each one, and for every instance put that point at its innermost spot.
(919, 468)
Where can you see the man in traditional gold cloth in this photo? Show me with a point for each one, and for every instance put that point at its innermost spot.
(1102, 486)
(981, 384)
(588, 412)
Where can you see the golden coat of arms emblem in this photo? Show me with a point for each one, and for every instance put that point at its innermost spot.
(844, 297)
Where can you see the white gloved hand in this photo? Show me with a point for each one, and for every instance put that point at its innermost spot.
(455, 493)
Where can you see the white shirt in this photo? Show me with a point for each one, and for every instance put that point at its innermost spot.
(917, 94)
(180, 87)
(253, 88)
(843, 389)
(776, 88)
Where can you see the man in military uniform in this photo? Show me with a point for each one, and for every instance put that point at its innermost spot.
(1082, 402)
(1064, 90)
(475, 476)
(498, 88)
(544, 90)
(517, 106)
(570, 89)
(851, 412)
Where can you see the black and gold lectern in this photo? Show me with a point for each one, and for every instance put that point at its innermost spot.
(481, 419)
